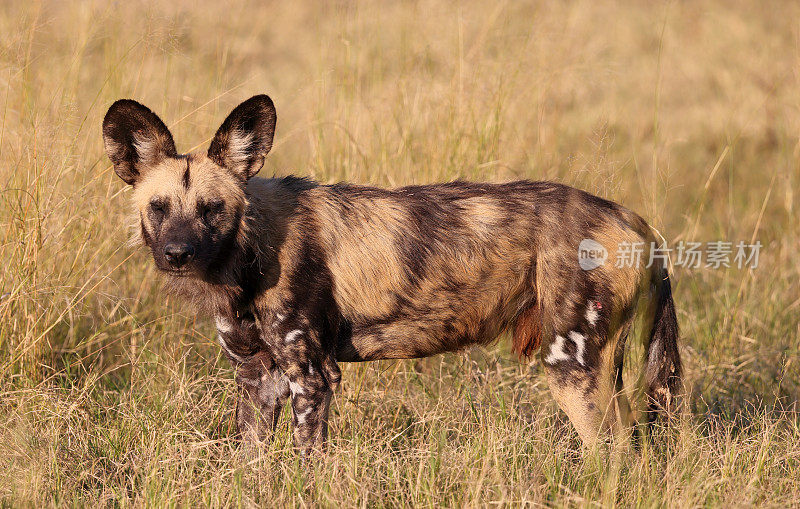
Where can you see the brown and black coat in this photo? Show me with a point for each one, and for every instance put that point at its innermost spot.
(300, 276)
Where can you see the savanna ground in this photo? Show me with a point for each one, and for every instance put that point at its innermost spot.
(114, 394)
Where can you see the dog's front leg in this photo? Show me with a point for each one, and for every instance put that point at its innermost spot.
(312, 376)
(262, 386)
(263, 389)
(311, 398)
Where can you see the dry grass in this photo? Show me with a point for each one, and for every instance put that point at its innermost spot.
(687, 112)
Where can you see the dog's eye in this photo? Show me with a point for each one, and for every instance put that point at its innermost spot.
(211, 210)
(158, 208)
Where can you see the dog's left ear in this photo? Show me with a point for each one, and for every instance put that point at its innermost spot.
(245, 137)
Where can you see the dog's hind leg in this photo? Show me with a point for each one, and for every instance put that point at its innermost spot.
(584, 369)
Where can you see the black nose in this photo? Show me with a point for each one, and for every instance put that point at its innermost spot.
(178, 255)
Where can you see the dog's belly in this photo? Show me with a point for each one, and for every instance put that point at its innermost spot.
(415, 333)
(402, 339)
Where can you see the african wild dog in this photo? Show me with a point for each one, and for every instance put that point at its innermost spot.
(300, 276)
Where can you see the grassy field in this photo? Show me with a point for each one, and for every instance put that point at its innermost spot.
(113, 394)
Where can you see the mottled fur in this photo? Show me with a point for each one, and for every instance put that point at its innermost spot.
(301, 276)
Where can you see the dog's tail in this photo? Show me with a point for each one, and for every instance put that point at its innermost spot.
(663, 364)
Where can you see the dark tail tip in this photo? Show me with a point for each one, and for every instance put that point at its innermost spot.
(664, 369)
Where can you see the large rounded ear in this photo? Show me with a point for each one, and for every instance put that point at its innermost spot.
(244, 139)
(135, 139)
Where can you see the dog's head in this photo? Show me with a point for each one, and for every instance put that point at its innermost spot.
(191, 207)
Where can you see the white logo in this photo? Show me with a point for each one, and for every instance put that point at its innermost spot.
(591, 254)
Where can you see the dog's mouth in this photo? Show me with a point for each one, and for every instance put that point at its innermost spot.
(178, 272)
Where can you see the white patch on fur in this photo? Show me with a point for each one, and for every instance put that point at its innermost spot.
(557, 352)
(147, 149)
(580, 344)
(310, 369)
(225, 347)
(293, 335)
(279, 317)
(296, 388)
(223, 325)
(591, 313)
(302, 416)
(239, 147)
(112, 147)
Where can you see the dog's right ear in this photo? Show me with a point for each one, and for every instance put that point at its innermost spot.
(135, 139)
